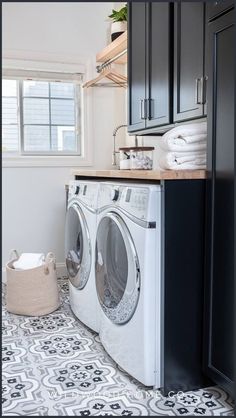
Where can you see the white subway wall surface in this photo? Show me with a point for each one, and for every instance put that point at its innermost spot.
(34, 197)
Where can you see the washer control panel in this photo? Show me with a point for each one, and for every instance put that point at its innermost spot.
(133, 199)
(87, 192)
(136, 201)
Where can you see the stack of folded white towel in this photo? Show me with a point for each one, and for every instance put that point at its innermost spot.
(184, 147)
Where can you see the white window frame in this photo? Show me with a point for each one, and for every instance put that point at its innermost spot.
(40, 71)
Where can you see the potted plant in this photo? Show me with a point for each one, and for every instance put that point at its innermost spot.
(119, 22)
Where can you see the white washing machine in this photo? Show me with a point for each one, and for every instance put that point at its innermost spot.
(80, 236)
(128, 277)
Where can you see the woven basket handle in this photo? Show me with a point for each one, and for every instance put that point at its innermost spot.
(49, 258)
(13, 255)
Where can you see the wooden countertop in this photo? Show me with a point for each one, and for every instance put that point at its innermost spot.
(143, 174)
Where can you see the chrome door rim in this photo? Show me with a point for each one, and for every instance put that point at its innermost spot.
(81, 279)
(126, 308)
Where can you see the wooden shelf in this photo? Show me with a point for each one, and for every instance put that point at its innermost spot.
(114, 48)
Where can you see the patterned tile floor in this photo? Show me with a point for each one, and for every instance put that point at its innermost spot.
(54, 365)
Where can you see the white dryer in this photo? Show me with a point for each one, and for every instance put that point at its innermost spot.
(128, 277)
(80, 236)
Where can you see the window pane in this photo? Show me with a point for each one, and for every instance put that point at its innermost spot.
(36, 138)
(36, 111)
(63, 138)
(9, 138)
(48, 115)
(62, 112)
(62, 90)
(9, 88)
(36, 88)
(9, 110)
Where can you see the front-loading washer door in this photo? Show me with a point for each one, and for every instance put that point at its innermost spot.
(117, 269)
(77, 246)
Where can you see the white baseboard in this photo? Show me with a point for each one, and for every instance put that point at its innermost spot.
(61, 272)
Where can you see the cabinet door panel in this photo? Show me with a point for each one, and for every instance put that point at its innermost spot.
(217, 7)
(188, 59)
(158, 64)
(136, 65)
(220, 192)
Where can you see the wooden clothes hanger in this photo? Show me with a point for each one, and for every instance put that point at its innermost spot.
(111, 74)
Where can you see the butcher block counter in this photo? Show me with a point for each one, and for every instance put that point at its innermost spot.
(151, 175)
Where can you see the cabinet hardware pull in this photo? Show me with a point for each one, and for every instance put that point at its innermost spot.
(197, 91)
(151, 109)
(201, 90)
(204, 87)
(143, 109)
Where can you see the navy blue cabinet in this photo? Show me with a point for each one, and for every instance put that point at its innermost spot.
(189, 51)
(219, 300)
(218, 7)
(165, 64)
(148, 65)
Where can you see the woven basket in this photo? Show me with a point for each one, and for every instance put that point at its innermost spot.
(34, 291)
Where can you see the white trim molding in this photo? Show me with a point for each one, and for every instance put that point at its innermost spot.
(69, 70)
(50, 161)
(36, 65)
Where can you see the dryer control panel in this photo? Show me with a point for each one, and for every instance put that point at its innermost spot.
(136, 200)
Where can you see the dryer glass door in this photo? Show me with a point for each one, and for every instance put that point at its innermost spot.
(77, 246)
(117, 269)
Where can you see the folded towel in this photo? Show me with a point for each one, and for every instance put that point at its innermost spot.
(182, 161)
(188, 130)
(191, 137)
(187, 144)
(28, 261)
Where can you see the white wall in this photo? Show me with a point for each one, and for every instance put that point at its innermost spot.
(34, 198)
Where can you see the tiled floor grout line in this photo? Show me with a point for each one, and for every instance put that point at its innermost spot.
(99, 386)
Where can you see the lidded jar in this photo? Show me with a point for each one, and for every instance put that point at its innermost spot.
(141, 158)
(124, 158)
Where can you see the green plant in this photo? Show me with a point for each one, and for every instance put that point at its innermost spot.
(119, 15)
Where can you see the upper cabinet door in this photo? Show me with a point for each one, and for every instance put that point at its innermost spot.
(158, 64)
(189, 30)
(137, 104)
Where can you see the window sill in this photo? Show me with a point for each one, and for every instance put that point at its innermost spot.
(46, 161)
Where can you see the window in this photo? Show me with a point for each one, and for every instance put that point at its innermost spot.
(41, 117)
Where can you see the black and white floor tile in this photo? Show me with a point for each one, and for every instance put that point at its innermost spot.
(55, 366)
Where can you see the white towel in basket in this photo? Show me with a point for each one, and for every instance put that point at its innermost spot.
(29, 261)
